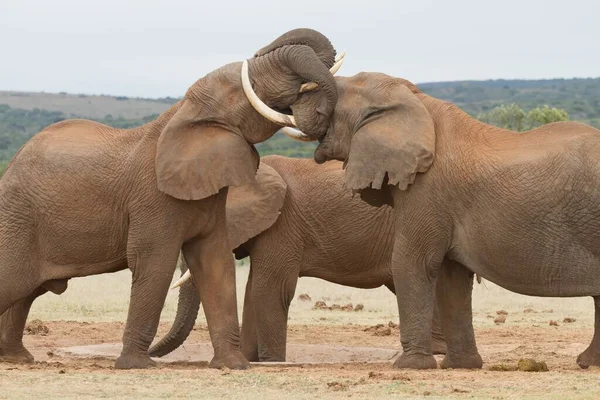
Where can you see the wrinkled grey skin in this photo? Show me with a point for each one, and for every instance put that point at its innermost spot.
(519, 209)
(323, 232)
(81, 198)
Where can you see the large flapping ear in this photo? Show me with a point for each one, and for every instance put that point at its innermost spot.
(254, 207)
(397, 144)
(194, 160)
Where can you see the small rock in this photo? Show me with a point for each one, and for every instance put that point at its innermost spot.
(348, 307)
(304, 297)
(500, 319)
(569, 320)
(529, 310)
(359, 307)
(36, 327)
(502, 312)
(383, 332)
(553, 323)
(61, 371)
(335, 307)
(427, 393)
(320, 305)
(393, 325)
(550, 311)
(530, 365)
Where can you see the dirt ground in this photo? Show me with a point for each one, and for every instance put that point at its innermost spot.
(95, 310)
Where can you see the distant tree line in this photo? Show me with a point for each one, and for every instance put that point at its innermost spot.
(16, 126)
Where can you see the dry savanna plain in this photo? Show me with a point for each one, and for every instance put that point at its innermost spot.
(338, 352)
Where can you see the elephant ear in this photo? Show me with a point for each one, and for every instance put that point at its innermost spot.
(254, 207)
(195, 159)
(394, 145)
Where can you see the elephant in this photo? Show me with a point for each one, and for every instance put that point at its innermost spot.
(313, 228)
(81, 198)
(519, 209)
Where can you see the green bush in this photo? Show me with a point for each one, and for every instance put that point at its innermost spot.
(513, 117)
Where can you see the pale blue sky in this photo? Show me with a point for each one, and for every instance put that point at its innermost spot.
(156, 48)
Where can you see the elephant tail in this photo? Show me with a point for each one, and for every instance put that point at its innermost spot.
(187, 312)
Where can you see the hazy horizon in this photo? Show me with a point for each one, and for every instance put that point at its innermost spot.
(158, 48)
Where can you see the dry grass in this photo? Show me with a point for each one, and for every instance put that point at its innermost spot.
(526, 333)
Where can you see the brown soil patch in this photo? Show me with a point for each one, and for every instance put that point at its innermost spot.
(501, 346)
(36, 327)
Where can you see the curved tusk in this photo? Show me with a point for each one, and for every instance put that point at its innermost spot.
(259, 106)
(184, 278)
(297, 134)
(310, 86)
(339, 60)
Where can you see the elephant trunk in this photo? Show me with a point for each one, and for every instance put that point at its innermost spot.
(187, 312)
(301, 61)
(310, 55)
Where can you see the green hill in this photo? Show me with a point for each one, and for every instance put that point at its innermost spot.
(22, 114)
(579, 97)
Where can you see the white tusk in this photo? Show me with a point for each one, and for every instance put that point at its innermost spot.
(310, 86)
(259, 106)
(184, 278)
(339, 60)
(297, 134)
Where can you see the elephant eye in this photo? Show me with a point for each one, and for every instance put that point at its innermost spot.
(374, 113)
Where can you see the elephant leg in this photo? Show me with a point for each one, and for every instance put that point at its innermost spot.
(213, 269)
(249, 340)
(272, 295)
(152, 275)
(438, 343)
(454, 291)
(414, 281)
(591, 355)
(12, 324)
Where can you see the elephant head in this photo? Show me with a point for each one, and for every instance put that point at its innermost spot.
(207, 143)
(251, 209)
(381, 130)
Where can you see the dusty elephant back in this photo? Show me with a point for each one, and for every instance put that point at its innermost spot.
(68, 181)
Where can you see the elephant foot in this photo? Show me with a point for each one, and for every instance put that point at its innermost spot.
(438, 347)
(416, 361)
(467, 361)
(233, 360)
(134, 361)
(15, 354)
(589, 358)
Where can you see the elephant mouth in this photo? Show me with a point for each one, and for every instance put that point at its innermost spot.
(285, 111)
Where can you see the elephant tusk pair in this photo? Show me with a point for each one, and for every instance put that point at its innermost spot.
(269, 113)
(184, 278)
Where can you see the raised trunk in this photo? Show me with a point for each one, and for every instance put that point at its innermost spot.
(309, 55)
(187, 312)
